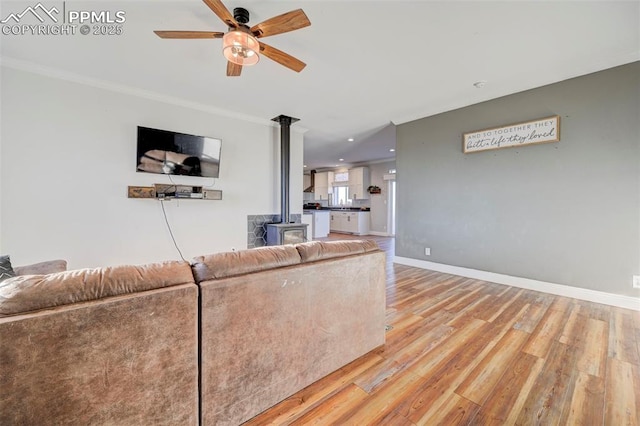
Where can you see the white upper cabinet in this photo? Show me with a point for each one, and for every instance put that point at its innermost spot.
(323, 185)
(358, 183)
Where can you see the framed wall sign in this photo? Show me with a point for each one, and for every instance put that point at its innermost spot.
(543, 130)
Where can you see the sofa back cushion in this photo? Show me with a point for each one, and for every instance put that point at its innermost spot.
(42, 268)
(29, 293)
(321, 250)
(223, 265)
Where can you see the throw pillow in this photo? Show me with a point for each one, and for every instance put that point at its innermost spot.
(6, 271)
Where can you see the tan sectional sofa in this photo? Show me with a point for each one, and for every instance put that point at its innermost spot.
(212, 343)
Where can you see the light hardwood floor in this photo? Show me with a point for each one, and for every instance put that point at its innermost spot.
(468, 352)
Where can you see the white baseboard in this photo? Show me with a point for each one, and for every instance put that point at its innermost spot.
(618, 300)
(380, 234)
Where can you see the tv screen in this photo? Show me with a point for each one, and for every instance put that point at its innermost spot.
(172, 153)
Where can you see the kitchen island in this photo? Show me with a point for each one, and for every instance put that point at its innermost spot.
(319, 222)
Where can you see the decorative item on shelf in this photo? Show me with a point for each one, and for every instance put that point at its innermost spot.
(161, 191)
(141, 192)
(373, 189)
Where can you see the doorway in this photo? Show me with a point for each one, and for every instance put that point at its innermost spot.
(391, 206)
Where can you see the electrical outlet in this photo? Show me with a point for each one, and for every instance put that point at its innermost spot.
(636, 281)
(427, 251)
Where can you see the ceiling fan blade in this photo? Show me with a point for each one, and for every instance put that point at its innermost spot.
(223, 13)
(189, 34)
(286, 22)
(282, 58)
(233, 70)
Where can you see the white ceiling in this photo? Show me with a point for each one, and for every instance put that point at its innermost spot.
(369, 63)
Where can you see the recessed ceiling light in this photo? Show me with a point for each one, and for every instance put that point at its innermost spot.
(342, 159)
(350, 139)
(480, 84)
(304, 165)
(392, 150)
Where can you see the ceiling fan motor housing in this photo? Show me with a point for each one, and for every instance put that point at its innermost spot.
(241, 15)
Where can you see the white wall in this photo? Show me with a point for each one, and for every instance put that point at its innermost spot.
(68, 153)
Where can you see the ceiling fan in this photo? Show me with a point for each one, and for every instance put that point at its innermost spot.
(240, 44)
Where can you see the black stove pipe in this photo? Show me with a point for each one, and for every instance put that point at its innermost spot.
(285, 163)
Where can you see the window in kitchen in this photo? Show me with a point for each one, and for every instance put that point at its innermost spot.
(341, 196)
(341, 176)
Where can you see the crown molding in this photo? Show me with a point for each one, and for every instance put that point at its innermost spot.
(59, 74)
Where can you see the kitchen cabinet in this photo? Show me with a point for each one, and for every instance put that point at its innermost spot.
(323, 186)
(338, 220)
(350, 222)
(321, 224)
(358, 183)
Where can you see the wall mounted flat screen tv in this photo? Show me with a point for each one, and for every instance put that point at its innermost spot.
(172, 153)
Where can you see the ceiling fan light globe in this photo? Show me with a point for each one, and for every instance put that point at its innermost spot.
(240, 48)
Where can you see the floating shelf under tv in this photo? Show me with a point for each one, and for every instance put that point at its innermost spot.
(162, 191)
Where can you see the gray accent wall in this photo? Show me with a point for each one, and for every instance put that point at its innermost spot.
(565, 212)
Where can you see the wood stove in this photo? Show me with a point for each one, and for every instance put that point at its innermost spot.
(285, 232)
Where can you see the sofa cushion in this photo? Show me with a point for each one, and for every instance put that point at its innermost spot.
(42, 268)
(34, 292)
(222, 265)
(319, 250)
(6, 270)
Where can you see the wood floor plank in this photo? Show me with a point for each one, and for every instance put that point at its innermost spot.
(531, 318)
(461, 302)
(334, 407)
(377, 375)
(595, 310)
(548, 329)
(399, 338)
(457, 342)
(621, 400)
(479, 384)
(383, 401)
(592, 356)
(456, 410)
(573, 332)
(622, 343)
(635, 316)
(438, 306)
(548, 394)
(509, 297)
(470, 312)
(415, 350)
(401, 322)
(561, 304)
(506, 401)
(586, 404)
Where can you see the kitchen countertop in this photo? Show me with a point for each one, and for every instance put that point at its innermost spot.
(338, 209)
